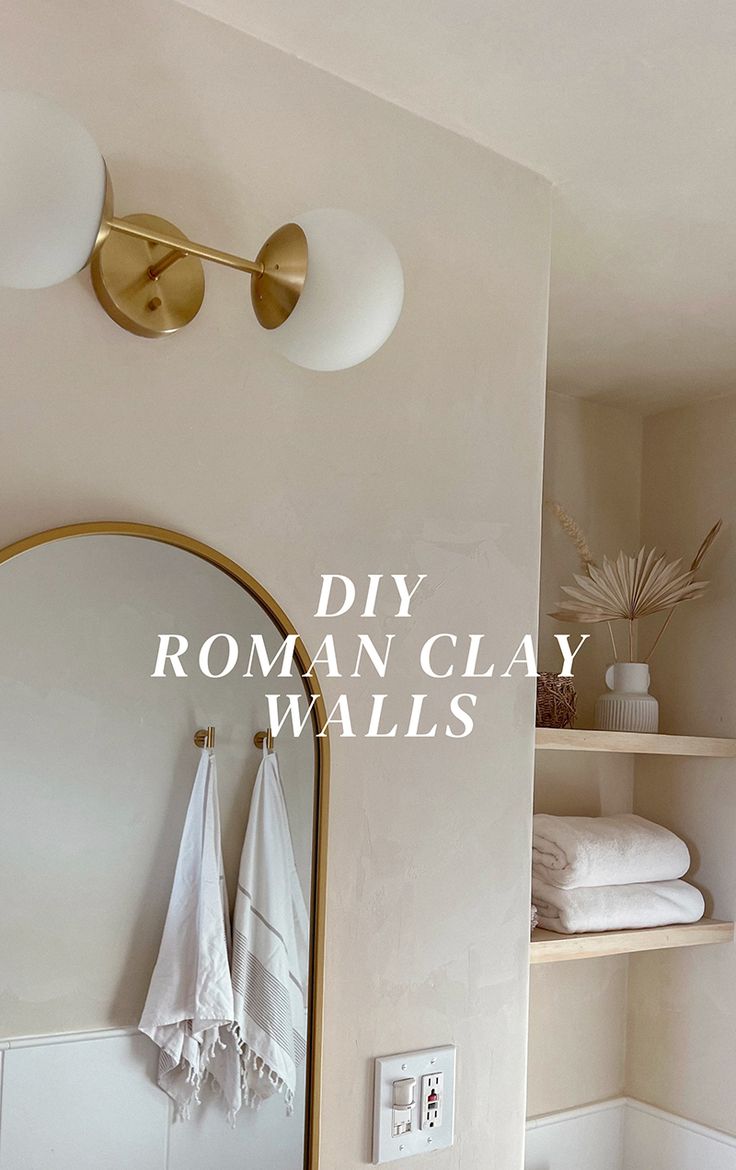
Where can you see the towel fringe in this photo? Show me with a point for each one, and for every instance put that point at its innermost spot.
(249, 1062)
(249, 1059)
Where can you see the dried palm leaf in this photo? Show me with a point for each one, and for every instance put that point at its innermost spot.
(697, 561)
(706, 545)
(628, 588)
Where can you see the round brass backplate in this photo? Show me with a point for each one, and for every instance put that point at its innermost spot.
(276, 290)
(146, 307)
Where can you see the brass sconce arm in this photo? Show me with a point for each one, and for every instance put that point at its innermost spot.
(182, 247)
(148, 275)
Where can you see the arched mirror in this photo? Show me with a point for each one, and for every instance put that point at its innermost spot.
(98, 766)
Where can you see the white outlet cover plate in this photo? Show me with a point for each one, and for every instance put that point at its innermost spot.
(386, 1147)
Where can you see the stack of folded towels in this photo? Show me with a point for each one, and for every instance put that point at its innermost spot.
(609, 873)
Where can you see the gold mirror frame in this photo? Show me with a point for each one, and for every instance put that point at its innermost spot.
(321, 775)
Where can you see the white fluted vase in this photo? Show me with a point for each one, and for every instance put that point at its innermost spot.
(627, 706)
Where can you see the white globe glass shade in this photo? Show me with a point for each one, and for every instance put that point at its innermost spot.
(52, 192)
(352, 295)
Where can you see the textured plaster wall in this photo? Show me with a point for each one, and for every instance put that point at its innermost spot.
(592, 467)
(681, 1054)
(427, 459)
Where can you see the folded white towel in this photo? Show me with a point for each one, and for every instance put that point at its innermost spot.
(605, 851)
(189, 1009)
(628, 907)
(270, 948)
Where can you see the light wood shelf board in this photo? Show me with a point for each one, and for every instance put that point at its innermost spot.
(572, 740)
(548, 947)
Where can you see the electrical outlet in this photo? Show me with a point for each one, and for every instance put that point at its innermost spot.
(431, 1101)
(413, 1103)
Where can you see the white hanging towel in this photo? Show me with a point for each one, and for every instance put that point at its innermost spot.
(189, 1009)
(270, 948)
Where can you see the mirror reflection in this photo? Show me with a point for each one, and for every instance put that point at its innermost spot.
(103, 829)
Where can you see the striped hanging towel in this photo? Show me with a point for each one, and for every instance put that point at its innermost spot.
(270, 948)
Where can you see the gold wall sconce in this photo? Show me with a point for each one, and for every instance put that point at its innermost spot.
(327, 288)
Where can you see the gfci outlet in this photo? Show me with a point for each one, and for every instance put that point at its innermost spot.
(432, 1101)
(413, 1103)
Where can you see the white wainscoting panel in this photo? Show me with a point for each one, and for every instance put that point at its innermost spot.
(624, 1134)
(90, 1102)
(589, 1138)
(82, 1105)
(655, 1140)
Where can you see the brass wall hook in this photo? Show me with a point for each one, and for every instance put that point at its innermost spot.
(205, 737)
(260, 736)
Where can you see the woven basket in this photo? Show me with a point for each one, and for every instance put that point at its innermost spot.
(556, 701)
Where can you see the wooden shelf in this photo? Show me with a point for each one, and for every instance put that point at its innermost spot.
(571, 740)
(548, 947)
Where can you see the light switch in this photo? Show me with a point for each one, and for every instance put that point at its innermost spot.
(414, 1103)
(403, 1106)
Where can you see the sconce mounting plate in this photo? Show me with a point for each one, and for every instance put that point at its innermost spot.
(142, 305)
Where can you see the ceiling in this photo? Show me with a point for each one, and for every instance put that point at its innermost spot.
(627, 106)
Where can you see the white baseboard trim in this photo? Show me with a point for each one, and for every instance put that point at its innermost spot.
(625, 1134)
(713, 1135)
(64, 1037)
(657, 1140)
(577, 1112)
(589, 1137)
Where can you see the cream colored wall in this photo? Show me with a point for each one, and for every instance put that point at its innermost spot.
(577, 1034)
(592, 466)
(426, 459)
(681, 1052)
